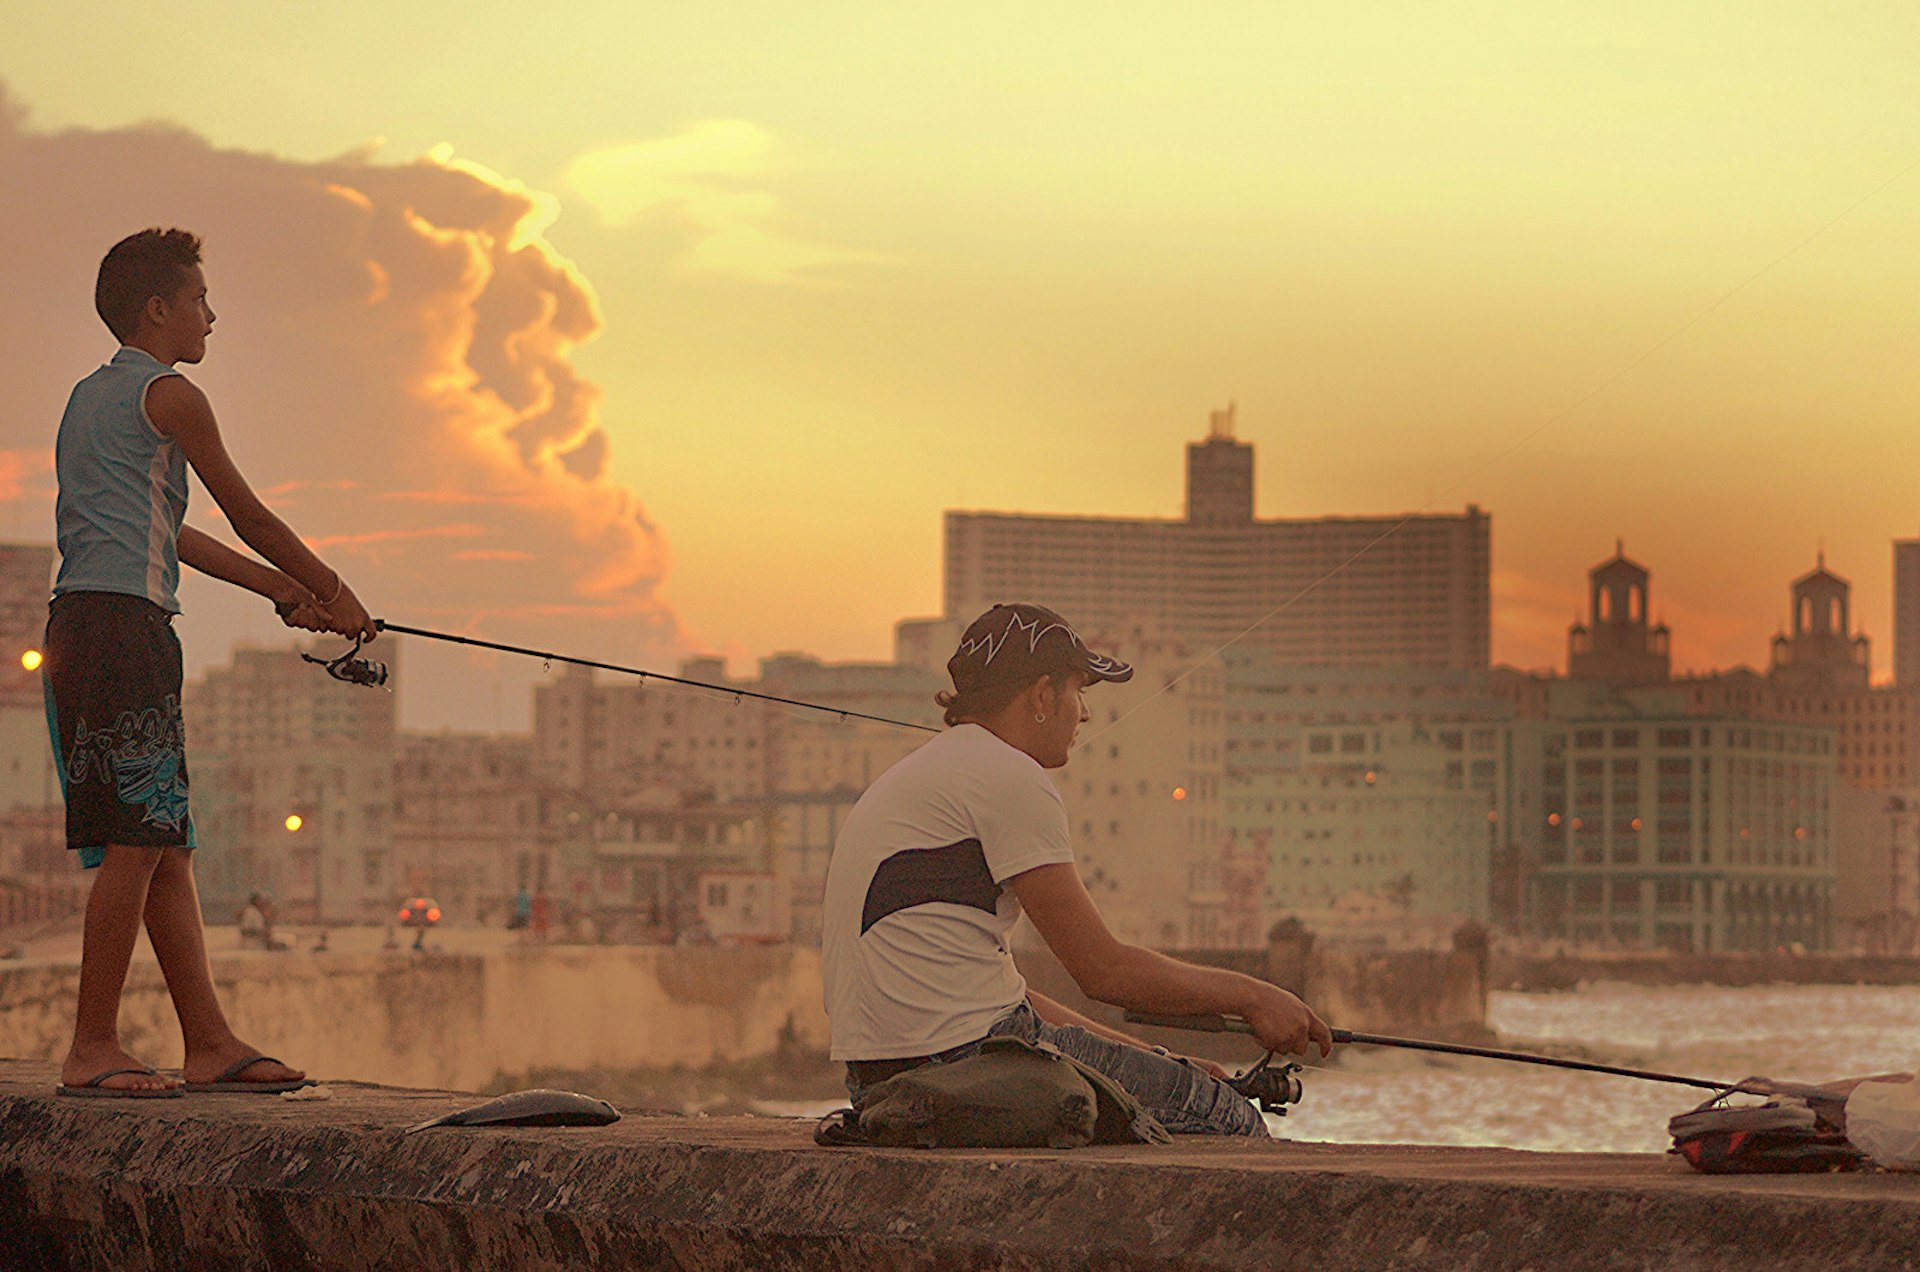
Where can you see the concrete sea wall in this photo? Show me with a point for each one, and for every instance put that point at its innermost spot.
(455, 1020)
(214, 1183)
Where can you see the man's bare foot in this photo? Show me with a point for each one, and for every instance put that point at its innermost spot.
(209, 1065)
(84, 1064)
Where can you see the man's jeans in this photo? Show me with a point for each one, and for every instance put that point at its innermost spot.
(1185, 1098)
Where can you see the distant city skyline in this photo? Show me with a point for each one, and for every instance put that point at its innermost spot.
(603, 328)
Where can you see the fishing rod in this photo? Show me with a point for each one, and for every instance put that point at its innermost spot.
(354, 669)
(1233, 1024)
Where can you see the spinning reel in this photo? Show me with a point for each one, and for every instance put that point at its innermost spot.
(351, 668)
(1271, 1088)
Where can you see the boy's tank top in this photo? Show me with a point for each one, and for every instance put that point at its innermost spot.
(123, 487)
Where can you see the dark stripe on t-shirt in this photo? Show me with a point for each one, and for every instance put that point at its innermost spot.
(956, 874)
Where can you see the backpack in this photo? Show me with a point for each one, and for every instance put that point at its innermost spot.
(1010, 1094)
(1788, 1134)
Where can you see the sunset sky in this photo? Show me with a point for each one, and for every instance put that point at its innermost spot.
(644, 330)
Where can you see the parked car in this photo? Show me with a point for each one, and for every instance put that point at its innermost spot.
(420, 912)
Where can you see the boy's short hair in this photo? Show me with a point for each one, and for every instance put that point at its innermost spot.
(152, 263)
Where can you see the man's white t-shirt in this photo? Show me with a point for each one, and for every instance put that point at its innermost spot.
(914, 922)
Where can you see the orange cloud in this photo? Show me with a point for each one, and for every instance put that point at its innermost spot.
(394, 339)
(493, 554)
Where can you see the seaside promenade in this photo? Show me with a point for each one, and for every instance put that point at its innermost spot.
(231, 1182)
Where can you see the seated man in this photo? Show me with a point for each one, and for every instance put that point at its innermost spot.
(943, 853)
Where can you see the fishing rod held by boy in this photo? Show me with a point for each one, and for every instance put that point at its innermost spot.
(352, 669)
(1231, 1024)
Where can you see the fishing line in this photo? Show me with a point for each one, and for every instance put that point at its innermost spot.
(1517, 445)
(737, 694)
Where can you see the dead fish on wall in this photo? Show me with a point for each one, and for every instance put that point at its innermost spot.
(530, 1108)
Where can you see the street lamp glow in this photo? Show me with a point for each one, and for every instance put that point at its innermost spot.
(31, 660)
(294, 821)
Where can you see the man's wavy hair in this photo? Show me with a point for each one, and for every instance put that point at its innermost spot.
(152, 263)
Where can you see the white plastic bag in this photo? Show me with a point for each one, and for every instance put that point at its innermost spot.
(1883, 1121)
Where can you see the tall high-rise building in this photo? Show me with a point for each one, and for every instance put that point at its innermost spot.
(1906, 613)
(1328, 591)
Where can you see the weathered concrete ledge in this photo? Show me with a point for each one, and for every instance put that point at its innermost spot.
(241, 1181)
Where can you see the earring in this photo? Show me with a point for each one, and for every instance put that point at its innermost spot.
(1039, 717)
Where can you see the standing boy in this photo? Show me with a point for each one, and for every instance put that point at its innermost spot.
(112, 670)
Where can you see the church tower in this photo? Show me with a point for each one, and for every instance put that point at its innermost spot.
(1819, 656)
(1617, 643)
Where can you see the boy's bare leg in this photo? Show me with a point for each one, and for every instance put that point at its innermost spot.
(179, 942)
(114, 905)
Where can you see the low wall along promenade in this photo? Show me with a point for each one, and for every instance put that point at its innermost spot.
(479, 1006)
(458, 1019)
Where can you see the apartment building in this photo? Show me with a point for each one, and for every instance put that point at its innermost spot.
(471, 826)
(1329, 591)
(1665, 830)
(292, 776)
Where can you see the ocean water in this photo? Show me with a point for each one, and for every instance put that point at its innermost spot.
(1805, 1033)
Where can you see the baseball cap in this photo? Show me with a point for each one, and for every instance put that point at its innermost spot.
(1018, 643)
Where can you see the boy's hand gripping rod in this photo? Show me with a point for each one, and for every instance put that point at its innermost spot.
(1233, 1024)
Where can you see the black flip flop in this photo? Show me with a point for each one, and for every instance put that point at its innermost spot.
(92, 1090)
(227, 1083)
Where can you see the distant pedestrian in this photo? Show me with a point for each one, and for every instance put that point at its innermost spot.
(540, 916)
(112, 669)
(253, 924)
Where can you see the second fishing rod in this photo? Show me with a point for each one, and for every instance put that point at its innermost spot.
(1233, 1024)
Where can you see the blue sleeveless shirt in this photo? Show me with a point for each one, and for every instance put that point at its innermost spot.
(123, 487)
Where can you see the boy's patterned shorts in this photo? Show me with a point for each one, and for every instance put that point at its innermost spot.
(112, 681)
